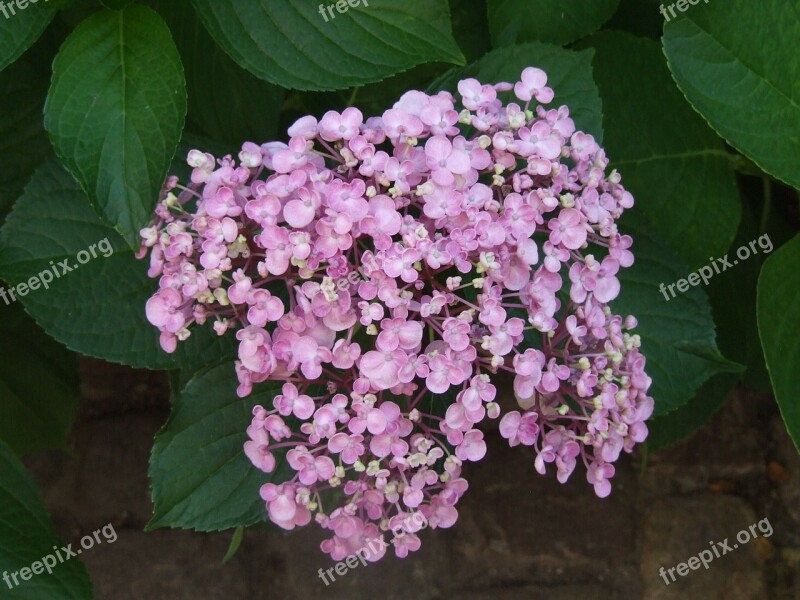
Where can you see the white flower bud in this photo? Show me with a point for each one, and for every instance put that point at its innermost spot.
(222, 296)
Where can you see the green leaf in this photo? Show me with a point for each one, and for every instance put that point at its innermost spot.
(681, 423)
(236, 542)
(672, 163)
(569, 73)
(200, 476)
(640, 17)
(38, 385)
(470, 27)
(737, 64)
(551, 21)
(733, 301)
(27, 535)
(23, 141)
(115, 4)
(115, 112)
(678, 337)
(20, 28)
(779, 327)
(292, 45)
(98, 308)
(226, 103)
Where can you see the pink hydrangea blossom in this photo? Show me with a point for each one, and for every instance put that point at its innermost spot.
(384, 271)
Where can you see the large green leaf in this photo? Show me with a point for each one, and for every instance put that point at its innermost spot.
(569, 73)
(640, 17)
(226, 103)
(673, 164)
(115, 4)
(470, 27)
(673, 427)
(678, 336)
(552, 21)
(115, 111)
(38, 385)
(291, 44)
(736, 61)
(98, 308)
(736, 321)
(201, 478)
(779, 328)
(23, 141)
(27, 536)
(20, 28)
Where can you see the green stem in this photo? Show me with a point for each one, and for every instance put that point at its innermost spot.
(353, 95)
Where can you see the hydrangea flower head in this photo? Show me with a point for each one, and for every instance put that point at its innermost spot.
(386, 270)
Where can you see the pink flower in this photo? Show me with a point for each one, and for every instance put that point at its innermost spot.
(553, 376)
(301, 211)
(445, 161)
(282, 508)
(264, 307)
(568, 229)
(456, 333)
(532, 84)
(474, 95)
(304, 127)
(344, 355)
(401, 264)
(381, 368)
(291, 158)
(278, 249)
(349, 446)
(257, 450)
(310, 468)
(399, 333)
(598, 475)
(292, 402)
(400, 123)
(334, 126)
(518, 428)
(528, 367)
(165, 310)
(606, 286)
(310, 354)
(473, 447)
(237, 293)
(222, 204)
(442, 374)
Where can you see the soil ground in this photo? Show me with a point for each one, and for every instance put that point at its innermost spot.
(519, 535)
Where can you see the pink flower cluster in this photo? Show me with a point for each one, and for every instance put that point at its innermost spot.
(385, 270)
